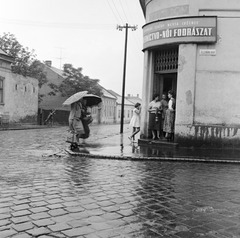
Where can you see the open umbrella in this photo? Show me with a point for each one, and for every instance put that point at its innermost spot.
(92, 100)
(75, 97)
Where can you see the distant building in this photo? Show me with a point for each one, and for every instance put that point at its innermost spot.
(128, 107)
(18, 94)
(134, 99)
(54, 76)
(107, 109)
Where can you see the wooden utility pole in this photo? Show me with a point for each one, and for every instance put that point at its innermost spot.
(124, 69)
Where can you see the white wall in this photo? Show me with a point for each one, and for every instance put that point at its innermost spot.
(20, 96)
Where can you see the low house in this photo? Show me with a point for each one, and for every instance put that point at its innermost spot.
(134, 99)
(18, 94)
(128, 107)
(107, 109)
(51, 101)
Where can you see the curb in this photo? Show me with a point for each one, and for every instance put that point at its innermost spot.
(26, 128)
(169, 159)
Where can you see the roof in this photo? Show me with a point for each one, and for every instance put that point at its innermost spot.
(5, 56)
(56, 70)
(134, 99)
(119, 98)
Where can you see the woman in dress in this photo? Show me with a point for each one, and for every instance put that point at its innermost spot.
(169, 121)
(155, 110)
(164, 107)
(75, 123)
(135, 121)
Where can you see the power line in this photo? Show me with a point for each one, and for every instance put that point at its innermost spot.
(73, 25)
(112, 10)
(117, 11)
(123, 10)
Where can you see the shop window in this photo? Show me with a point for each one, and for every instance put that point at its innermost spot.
(1, 89)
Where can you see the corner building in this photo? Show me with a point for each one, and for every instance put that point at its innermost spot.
(193, 48)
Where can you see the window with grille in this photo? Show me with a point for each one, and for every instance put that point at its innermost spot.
(166, 60)
(1, 89)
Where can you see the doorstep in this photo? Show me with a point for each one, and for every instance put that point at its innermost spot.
(161, 142)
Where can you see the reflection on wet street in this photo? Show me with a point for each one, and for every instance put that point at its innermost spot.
(44, 191)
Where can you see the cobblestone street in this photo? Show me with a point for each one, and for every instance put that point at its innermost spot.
(45, 192)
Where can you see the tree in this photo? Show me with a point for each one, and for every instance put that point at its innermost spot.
(25, 62)
(75, 81)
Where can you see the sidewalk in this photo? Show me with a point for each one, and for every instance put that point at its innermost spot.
(22, 126)
(107, 142)
(118, 146)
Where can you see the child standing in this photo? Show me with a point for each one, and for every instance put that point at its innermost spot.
(135, 121)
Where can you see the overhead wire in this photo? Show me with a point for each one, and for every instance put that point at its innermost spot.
(117, 11)
(134, 36)
(67, 25)
(112, 11)
(123, 10)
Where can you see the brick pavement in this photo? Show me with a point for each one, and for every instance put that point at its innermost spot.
(46, 195)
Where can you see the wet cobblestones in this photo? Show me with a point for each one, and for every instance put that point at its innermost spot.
(46, 195)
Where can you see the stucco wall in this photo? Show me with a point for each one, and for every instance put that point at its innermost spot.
(217, 83)
(108, 110)
(20, 96)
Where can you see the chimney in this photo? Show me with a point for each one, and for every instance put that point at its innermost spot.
(138, 95)
(48, 63)
(128, 95)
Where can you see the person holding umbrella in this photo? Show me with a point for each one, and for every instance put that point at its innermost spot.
(74, 119)
(79, 118)
(75, 122)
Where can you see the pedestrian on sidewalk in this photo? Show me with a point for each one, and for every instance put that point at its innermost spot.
(75, 122)
(155, 111)
(135, 121)
(86, 119)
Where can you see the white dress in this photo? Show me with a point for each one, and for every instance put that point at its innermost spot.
(135, 120)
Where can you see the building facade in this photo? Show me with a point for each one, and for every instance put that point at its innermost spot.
(193, 48)
(18, 94)
(128, 108)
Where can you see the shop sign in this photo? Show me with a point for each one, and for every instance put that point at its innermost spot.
(201, 29)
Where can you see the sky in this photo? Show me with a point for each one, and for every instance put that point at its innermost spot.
(82, 33)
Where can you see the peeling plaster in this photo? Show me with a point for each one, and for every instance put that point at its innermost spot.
(181, 62)
(189, 97)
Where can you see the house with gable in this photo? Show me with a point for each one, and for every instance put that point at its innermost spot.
(105, 112)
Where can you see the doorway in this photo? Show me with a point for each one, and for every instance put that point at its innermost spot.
(165, 82)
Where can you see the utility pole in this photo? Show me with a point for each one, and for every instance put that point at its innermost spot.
(124, 69)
